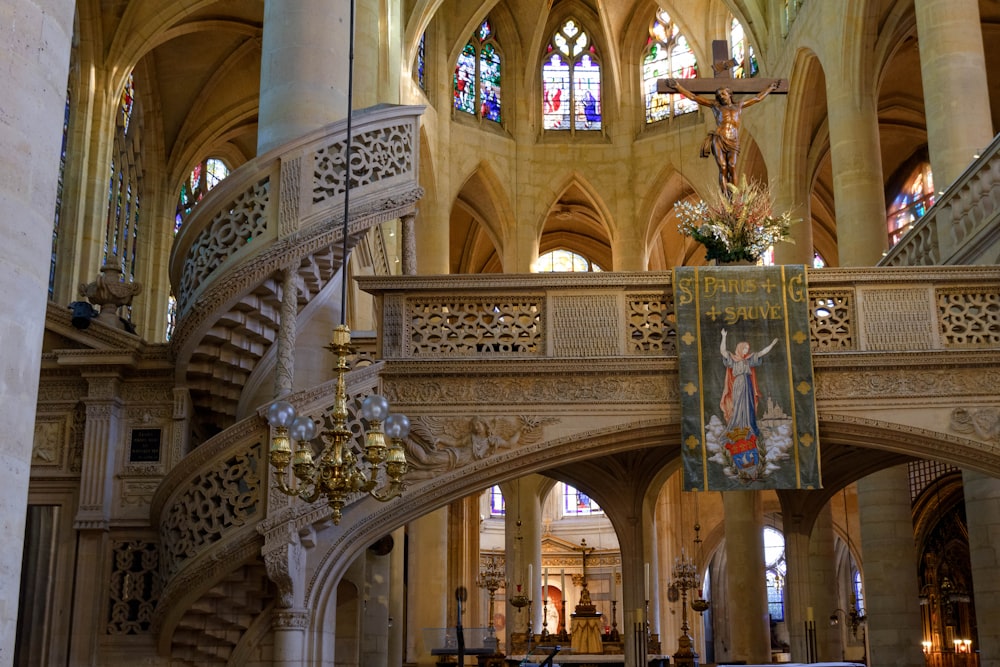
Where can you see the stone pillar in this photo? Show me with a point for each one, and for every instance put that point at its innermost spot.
(823, 586)
(101, 438)
(747, 591)
(408, 244)
(37, 36)
(428, 599)
(284, 371)
(289, 627)
(397, 564)
(794, 196)
(862, 235)
(953, 69)
(798, 593)
(982, 509)
(303, 72)
(890, 569)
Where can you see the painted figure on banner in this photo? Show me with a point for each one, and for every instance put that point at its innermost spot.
(748, 448)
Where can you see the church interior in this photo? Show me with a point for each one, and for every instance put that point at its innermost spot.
(217, 270)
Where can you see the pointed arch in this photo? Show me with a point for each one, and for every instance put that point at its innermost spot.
(577, 219)
(480, 221)
(665, 246)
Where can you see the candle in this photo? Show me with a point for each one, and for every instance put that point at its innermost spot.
(545, 588)
(614, 584)
(810, 615)
(531, 588)
(647, 581)
(562, 583)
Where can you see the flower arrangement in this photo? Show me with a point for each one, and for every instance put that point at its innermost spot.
(737, 227)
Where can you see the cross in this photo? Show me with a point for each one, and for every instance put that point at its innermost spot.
(724, 142)
(722, 65)
(586, 550)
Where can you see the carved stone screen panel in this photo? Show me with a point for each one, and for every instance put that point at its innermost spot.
(652, 324)
(586, 326)
(508, 325)
(897, 319)
(969, 317)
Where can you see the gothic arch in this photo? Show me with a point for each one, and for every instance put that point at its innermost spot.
(579, 220)
(665, 246)
(480, 221)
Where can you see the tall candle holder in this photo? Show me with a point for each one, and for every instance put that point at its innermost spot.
(545, 618)
(492, 579)
(685, 578)
(531, 630)
(614, 634)
(563, 633)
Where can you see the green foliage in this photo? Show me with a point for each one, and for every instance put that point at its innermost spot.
(737, 227)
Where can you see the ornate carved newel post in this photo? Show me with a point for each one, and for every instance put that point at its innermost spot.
(284, 557)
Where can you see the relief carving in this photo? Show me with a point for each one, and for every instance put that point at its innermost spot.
(48, 443)
(438, 444)
(984, 423)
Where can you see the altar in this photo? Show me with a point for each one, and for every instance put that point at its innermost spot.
(583, 659)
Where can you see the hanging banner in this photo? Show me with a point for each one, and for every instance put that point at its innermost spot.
(748, 402)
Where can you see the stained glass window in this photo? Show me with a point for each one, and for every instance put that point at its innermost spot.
(742, 52)
(668, 55)
(497, 507)
(121, 237)
(203, 177)
(421, 81)
(911, 203)
(571, 81)
(128, 97)
(577, 503)
(59, 193)
(559, 261)
(818, 261)
(859, 592)
(774, 570)
(476, 85)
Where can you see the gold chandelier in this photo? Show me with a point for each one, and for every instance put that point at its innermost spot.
(340, 472)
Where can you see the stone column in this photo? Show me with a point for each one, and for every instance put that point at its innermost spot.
(101, 438)
(284, 371)
(289, 627)
(750, 631)
(397, 565)
(37, 36)
(798, 594)
(793, 196)
(890, 569)
(823, 586)
(953, 69)
(408, 244)
(303, 72)
(862, 235)
(982, 509)
(428, 599)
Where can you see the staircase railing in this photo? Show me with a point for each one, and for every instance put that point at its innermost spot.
(962, 227)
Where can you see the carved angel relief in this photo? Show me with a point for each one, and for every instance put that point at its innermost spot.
(438, 444)
(984, 423)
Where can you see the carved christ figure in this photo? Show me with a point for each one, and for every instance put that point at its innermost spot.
(724, 142)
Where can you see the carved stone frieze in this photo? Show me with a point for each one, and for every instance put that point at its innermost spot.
(290, 619)
(855, 384)
(137, 492)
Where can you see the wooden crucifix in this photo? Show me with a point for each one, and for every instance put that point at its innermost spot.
(724, 141)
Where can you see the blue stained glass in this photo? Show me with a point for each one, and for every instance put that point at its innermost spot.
(485, 31)
(465, 80)
(489, 76)
(421, 81)
(587, 88)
